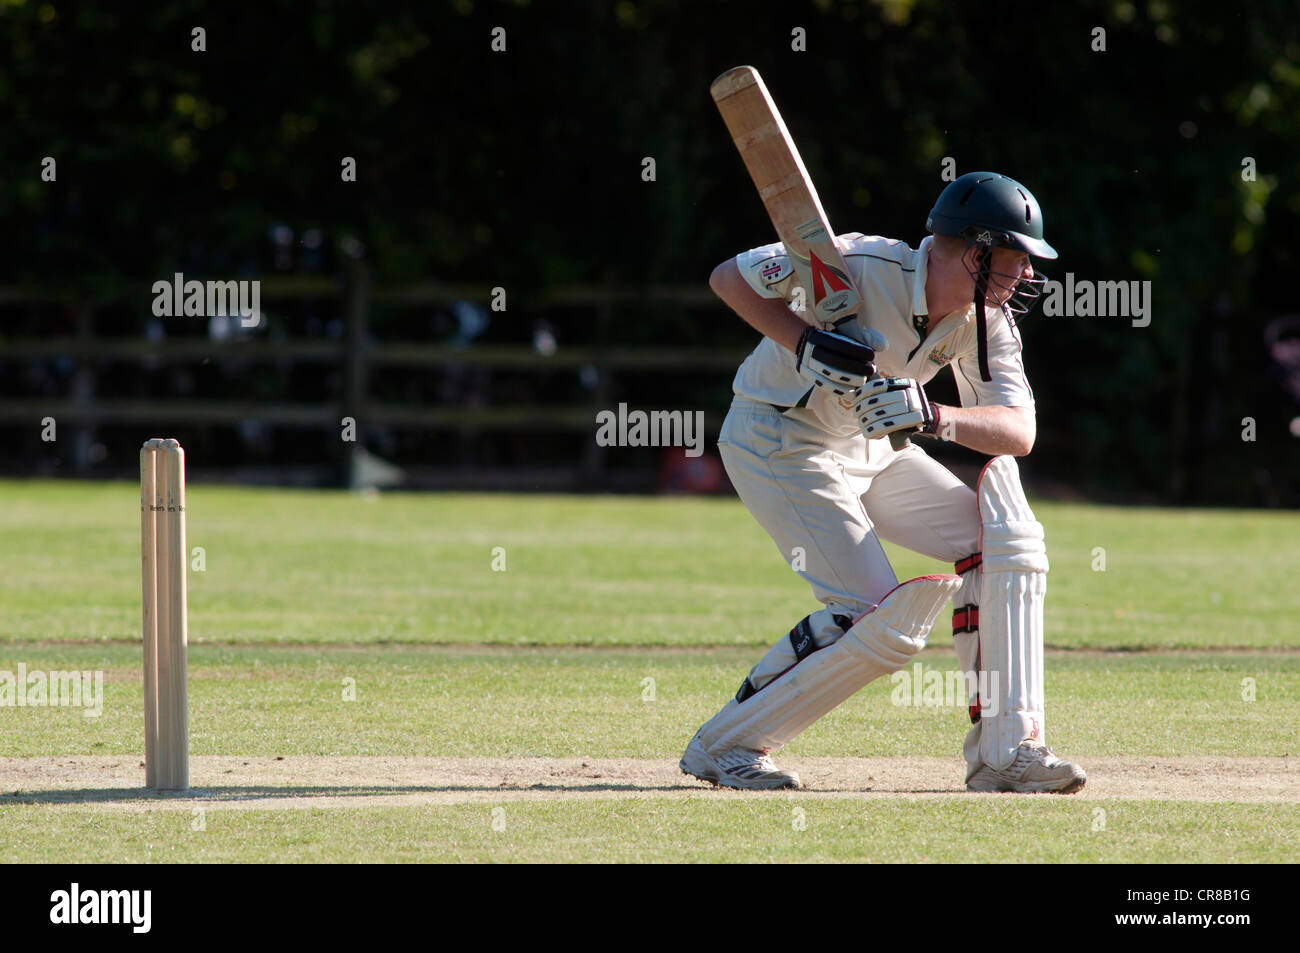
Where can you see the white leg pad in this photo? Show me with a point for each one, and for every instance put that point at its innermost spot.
(880, 642)
(1013, 589)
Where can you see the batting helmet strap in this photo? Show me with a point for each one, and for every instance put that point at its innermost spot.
(984, 256)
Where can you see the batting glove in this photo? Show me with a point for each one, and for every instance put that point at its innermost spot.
(891, 404)
(830, 360)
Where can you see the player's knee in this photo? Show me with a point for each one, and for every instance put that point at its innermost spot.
(893, 633)
(886, 647)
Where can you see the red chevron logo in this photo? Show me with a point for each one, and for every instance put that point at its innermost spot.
(825, 278)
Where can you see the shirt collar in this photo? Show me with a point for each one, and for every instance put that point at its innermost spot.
(919, 305)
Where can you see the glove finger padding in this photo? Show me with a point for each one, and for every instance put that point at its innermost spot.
(834, 361)
(890, 404)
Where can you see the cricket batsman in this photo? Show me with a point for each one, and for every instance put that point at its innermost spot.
(807, 445)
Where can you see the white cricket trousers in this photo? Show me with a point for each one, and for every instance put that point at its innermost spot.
(828, 501)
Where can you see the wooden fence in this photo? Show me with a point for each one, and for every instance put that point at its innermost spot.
(360, 358)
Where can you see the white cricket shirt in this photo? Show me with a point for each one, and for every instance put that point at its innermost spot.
(890, 276)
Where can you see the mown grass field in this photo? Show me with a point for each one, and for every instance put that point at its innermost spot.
(327, 626)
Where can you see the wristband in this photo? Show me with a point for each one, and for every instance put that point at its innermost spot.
(932, 425)
(799, 348)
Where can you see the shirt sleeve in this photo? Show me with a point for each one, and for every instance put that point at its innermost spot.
(768, 271)
(1009, 386)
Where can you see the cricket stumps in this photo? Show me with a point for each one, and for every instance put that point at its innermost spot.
(162, 557)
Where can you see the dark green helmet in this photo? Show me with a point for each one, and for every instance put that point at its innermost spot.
(990, 209)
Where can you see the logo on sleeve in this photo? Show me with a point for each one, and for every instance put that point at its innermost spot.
(939, 356)
(774, 269)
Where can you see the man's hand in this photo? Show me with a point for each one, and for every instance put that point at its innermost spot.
(893, 404)
(830, 360)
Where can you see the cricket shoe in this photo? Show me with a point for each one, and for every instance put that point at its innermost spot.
(1035, 770)
(737, 768)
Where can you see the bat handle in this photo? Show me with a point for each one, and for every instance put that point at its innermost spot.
(898, 440)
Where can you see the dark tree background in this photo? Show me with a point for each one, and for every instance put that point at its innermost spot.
(522, 169)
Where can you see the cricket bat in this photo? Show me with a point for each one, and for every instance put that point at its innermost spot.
(788, 194)
(791, 201)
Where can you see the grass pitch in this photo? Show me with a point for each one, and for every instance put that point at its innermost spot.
(330, 629)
